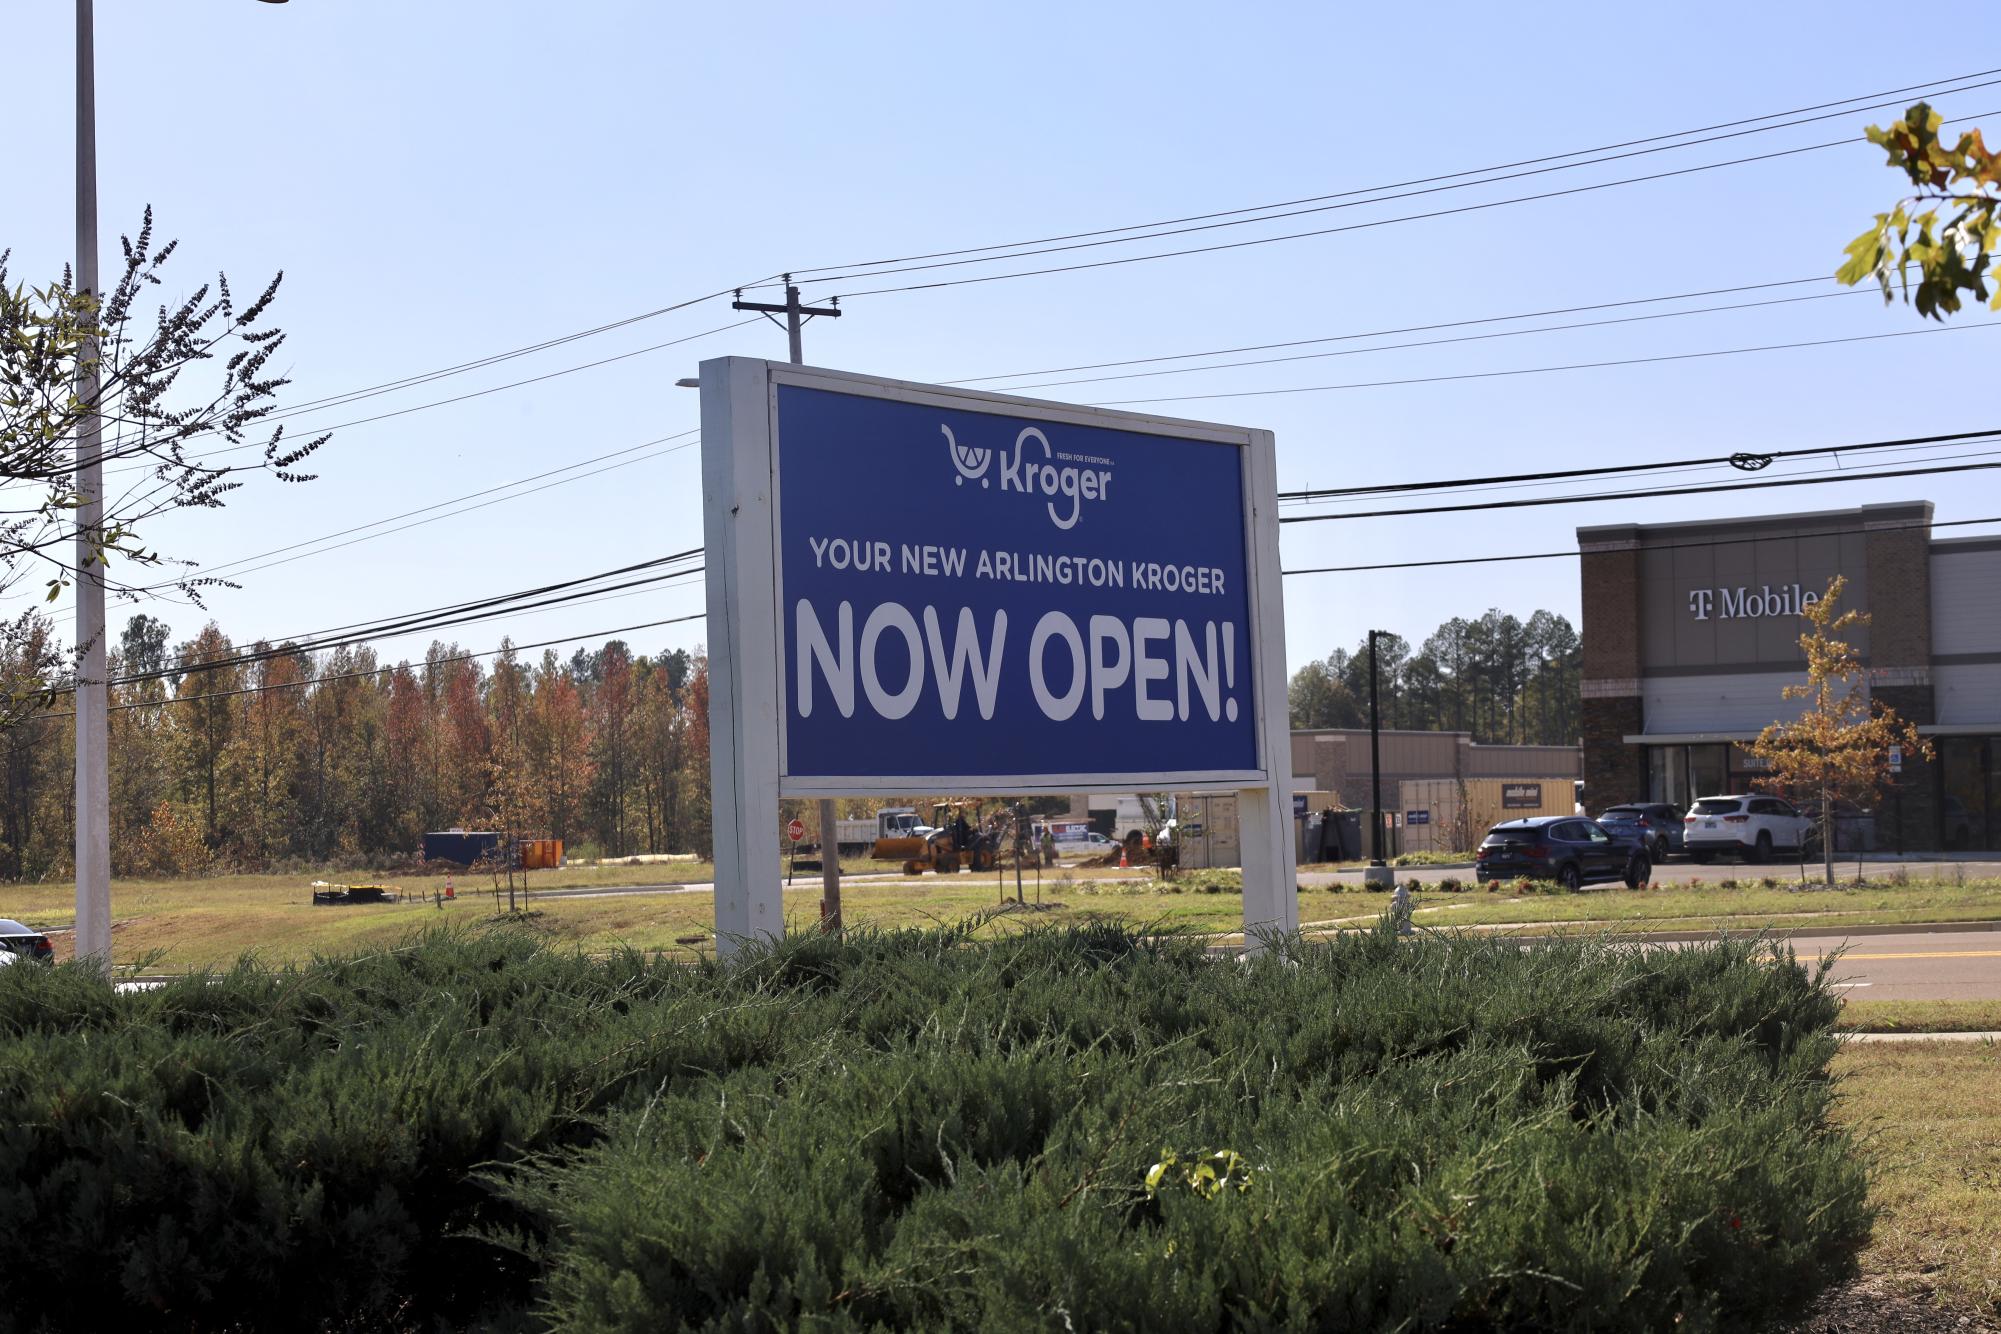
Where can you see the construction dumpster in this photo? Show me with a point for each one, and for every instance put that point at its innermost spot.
(540, 854)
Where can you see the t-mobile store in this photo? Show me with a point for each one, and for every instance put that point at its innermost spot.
(1691, 631)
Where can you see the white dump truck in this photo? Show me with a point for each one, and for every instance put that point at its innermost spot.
(858, 838)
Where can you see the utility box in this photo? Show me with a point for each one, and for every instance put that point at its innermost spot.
(540, 854)
(1205, 831)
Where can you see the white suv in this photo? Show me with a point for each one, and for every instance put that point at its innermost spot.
(1752, 827)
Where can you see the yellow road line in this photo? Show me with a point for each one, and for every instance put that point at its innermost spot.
(1930, 954)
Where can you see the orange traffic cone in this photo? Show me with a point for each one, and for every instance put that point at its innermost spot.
(1123, 864)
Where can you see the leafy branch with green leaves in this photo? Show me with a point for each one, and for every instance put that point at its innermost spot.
(1946, 229)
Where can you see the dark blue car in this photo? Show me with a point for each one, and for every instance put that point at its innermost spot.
(1568, 849)
(1655, 825)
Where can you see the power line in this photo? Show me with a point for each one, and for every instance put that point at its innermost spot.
(1662, 546)
(875, 267)
(436, 618)
(443, 402)
(457, 500)
(1442, 342)
(1752, 458)
(229, 565)
(1926, 453)
(419, 523)
(478, 363)
(1543, 370)
(380, 671)
(1346, 203)
(1355, 226)
(1935, 85)
(1527, 502)
(523, 593)
(696, 616)
(1386, 333)
(232, 566)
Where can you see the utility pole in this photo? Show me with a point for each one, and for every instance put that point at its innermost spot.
(93, 791)
(1378, 871)
(93, 692)
(796, 316)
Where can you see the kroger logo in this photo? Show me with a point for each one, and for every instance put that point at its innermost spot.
(1060, 482)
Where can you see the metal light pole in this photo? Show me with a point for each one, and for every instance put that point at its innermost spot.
(93, 691)
(93, 791)
(1378, 871)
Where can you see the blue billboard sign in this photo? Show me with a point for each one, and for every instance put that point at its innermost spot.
(973, 590)
(920, 589)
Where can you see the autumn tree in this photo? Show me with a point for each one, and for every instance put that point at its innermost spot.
(1839, 747)
(612, 707)
(208, 718)
(1950, 254)
(557, 748)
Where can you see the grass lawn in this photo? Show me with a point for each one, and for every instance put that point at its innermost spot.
(174, 925)
(1743, 907)
(1930, 1114)
(1934, 1016)
(169, 925)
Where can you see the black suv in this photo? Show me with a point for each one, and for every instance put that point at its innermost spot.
(1568, 849)
(1654, 825)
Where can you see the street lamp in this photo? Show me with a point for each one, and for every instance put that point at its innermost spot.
(1377, 872)
(93, 691)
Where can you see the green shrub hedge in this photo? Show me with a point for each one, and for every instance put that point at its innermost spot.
(1069, 1128)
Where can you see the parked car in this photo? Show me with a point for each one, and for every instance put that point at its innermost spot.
(23, 944)
(1565, 848)
(1091, 844)
(1749, 826)
(1656, 825)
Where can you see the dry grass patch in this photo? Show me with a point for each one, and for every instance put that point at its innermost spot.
(1930, 1114)
(1936, 1016)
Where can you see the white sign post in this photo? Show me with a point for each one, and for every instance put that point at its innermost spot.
(916, 588)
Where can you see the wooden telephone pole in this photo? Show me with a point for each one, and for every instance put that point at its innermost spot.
(796, 316)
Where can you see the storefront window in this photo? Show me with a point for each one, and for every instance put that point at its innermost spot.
(1681, 775)
(1667, 775)
(1708, 771)
(1994, 793)
(1964, 806)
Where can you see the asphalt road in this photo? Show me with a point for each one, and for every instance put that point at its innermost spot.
(1680, 871)
(1917, 965)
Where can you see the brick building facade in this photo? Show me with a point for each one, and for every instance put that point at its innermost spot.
(1690, 633)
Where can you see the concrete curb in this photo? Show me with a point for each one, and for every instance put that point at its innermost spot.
(1918, 1037)
(1538, 932)
(1781, 932)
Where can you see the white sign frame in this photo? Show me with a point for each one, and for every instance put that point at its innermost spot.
(742, 528)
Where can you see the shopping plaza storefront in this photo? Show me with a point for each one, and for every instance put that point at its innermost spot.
(1691, 632)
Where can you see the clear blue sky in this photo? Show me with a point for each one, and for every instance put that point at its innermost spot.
(443, 181)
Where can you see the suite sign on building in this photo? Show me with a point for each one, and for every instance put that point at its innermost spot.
(919, 589)
(1744, 603)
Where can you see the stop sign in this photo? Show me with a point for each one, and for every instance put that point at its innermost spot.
(797, 829)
